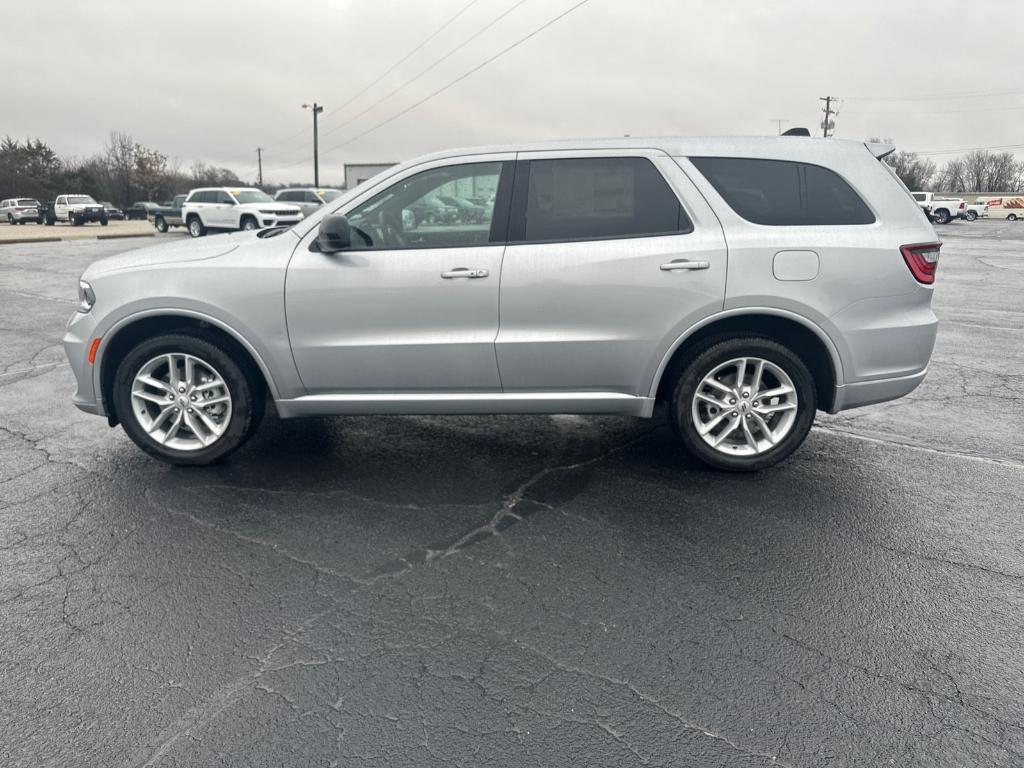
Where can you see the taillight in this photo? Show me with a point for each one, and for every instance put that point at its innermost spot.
(923, 260)
(962, 205)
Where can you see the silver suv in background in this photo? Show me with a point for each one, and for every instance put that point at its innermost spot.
(18, 210)
(745, 283)
(307, 199)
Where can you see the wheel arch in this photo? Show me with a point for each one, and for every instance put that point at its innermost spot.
(805, 338)
(126, 333)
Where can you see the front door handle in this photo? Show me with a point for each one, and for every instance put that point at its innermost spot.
(676, 264)
(464, 273)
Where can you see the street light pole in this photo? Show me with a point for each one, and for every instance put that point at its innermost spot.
(317, 109)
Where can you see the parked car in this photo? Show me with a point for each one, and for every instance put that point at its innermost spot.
(597, 285)
(941, 210)
(78, 209)
(307, 199)
(169, 214)
(18, 210)
(1009, 207)
(113, 212)
(234, 208)
(975, 211)
(140, 210)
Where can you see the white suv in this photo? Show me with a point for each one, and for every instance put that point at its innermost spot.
(234, 208)
(308, 199)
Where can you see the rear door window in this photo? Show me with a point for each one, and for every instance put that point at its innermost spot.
(594, 198)
(783, 193)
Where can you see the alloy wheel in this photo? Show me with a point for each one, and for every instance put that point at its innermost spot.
(181, 401)
(745, 406)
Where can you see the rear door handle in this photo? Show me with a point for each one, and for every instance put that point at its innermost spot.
(677, 264)
(464, 273)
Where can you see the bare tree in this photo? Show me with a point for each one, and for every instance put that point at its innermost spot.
(914, 171)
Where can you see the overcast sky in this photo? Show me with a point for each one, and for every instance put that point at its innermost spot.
(214, 79)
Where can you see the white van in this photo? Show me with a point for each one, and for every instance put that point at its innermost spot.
(1009, 207)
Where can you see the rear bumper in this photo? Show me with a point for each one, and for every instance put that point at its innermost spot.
(877, 391)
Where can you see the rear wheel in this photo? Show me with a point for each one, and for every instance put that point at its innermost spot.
(1012, 217)
(195, 226)
(160, 224)
(743, 404)
(186, 400)
(971, 215)
(941, 216)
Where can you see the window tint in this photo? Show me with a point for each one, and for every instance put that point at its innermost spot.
(285, 197)
(783, 193)
(223, 198)
(413, 213)
(596, 198)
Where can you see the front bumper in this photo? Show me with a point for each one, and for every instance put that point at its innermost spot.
(77, 339)
(270, 220)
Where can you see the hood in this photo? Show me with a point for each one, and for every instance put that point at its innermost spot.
(165, 253)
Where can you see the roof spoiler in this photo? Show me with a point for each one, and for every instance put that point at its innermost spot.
(879, 150)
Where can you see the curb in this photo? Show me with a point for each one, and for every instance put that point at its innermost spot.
(18, 241)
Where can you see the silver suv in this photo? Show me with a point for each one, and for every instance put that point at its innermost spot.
(746, 283)
(308, 199)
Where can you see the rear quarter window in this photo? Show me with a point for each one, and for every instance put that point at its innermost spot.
(784, 193)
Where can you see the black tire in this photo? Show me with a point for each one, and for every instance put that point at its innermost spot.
(245, 387)
(195, 226)
(10, 219)
(160, 224)
(248, 224)
(681, 416)
(971, 215)
(941, 216)
(1012, 217)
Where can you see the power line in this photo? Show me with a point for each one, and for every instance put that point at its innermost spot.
(402, 61)
(968, 149)
(931, 111)
(387, 72)
(420, 74)
(459, 79)
(936, 96)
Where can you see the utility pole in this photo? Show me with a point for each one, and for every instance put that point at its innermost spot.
(317, 109)
(259, 157)
(828, 124)
(780, 121)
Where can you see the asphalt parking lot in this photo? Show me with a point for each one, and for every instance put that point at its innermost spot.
(551, 591)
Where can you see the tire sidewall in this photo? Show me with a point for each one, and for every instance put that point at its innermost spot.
(682, 396)
(246, 405)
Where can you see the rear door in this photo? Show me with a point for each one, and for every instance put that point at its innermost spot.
(612, 255)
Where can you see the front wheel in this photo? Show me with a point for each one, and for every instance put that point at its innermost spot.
(186, 400)
(248, 224)
(195, 226)
(160, 224)
(743, 404)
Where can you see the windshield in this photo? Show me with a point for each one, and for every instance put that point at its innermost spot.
(251, 196)
(80, 200)
(328, 194)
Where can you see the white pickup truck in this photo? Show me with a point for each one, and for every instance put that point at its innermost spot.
(941, 210)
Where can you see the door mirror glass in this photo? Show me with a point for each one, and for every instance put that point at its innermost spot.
(334, 234)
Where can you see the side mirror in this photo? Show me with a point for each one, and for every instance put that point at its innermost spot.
(334, 234)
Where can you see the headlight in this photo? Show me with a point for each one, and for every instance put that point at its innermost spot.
(86, 297)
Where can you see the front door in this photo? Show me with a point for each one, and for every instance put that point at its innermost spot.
(412, 307)
(612, 255)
